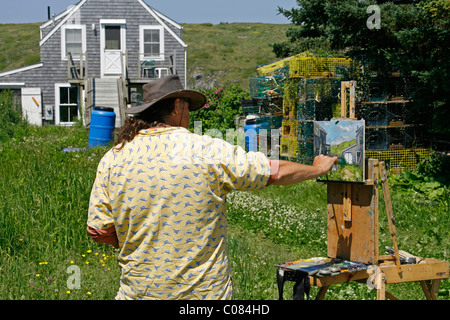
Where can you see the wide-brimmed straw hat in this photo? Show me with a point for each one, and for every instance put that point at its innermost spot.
(166, 88)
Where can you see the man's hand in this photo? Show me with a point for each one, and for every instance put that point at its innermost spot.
(324, 163)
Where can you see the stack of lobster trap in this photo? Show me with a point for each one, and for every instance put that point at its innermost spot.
(299, 90)
(290, 94)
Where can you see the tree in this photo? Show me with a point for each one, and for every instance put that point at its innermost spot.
(412, 39)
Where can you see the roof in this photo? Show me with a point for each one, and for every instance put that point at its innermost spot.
(22, 69)
(64, 16)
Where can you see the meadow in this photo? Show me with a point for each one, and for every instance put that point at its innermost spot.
(44, 194)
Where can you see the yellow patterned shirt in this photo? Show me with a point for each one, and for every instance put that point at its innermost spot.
(165, 194)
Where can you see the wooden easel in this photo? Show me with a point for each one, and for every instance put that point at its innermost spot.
(352, 229)
(357, 239)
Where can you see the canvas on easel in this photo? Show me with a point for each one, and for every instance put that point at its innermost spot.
(345, 140)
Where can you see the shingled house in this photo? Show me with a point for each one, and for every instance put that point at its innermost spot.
(97, 53)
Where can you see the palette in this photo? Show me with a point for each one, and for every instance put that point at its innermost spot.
(323, 266)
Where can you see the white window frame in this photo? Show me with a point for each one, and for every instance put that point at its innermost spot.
(58, 105)
(63, 40)
(160, 57)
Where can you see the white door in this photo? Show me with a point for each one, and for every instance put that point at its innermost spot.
(32, 105)
(112, 45)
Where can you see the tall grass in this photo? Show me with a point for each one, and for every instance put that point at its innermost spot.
(44, 194)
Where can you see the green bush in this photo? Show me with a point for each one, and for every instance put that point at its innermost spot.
(222, 107)
(11, 122)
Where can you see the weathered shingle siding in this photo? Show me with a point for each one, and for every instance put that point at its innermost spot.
(54, 69)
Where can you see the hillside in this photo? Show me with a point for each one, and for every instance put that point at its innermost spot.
(337, 149)
(229, 53)
(19, 45)
(218, 55)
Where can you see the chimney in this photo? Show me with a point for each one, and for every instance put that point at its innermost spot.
(48, 12)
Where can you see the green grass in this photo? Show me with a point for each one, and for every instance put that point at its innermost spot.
(19, 45)
(44, 194)
(43, 205)
(230, 52)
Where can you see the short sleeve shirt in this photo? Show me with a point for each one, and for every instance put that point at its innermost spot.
(165, 193)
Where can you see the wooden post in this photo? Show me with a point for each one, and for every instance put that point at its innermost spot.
(352, 86)
(344, 99)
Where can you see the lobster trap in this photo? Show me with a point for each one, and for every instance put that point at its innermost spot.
(307, 67)
(288, 147)
(400, 160)
(376, 139)
(250, 106)
(266, 87)
(325, 90)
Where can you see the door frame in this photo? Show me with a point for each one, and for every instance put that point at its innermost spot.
(123, 27)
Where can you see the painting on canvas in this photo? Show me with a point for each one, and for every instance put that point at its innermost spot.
(344, 139)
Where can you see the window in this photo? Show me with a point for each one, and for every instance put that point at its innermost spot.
(66, 104)
(73, 41)
(112, 37)
(152, 42)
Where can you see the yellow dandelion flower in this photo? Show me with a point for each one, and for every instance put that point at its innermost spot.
(68, 291)
(96, 253)
(87, 262)
(88, 293)
(83, 255)
(71, 261)
(89, 251)
(38, 275)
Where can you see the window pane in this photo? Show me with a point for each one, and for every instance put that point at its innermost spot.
(112, 37)
(151, 35)
(151, 49)
(73, 95)
(72, 113)
(64, 113)
(73, 35)
(68, 113)
(63, 95)
(74, 49)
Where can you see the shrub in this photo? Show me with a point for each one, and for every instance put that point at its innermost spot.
(11, 122)
(222, 107)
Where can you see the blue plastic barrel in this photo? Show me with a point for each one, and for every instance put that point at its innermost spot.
(251, 135)
(101, 130)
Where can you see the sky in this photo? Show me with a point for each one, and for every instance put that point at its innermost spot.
(182, 11)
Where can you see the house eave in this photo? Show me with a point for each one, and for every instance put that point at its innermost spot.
(22, 69)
